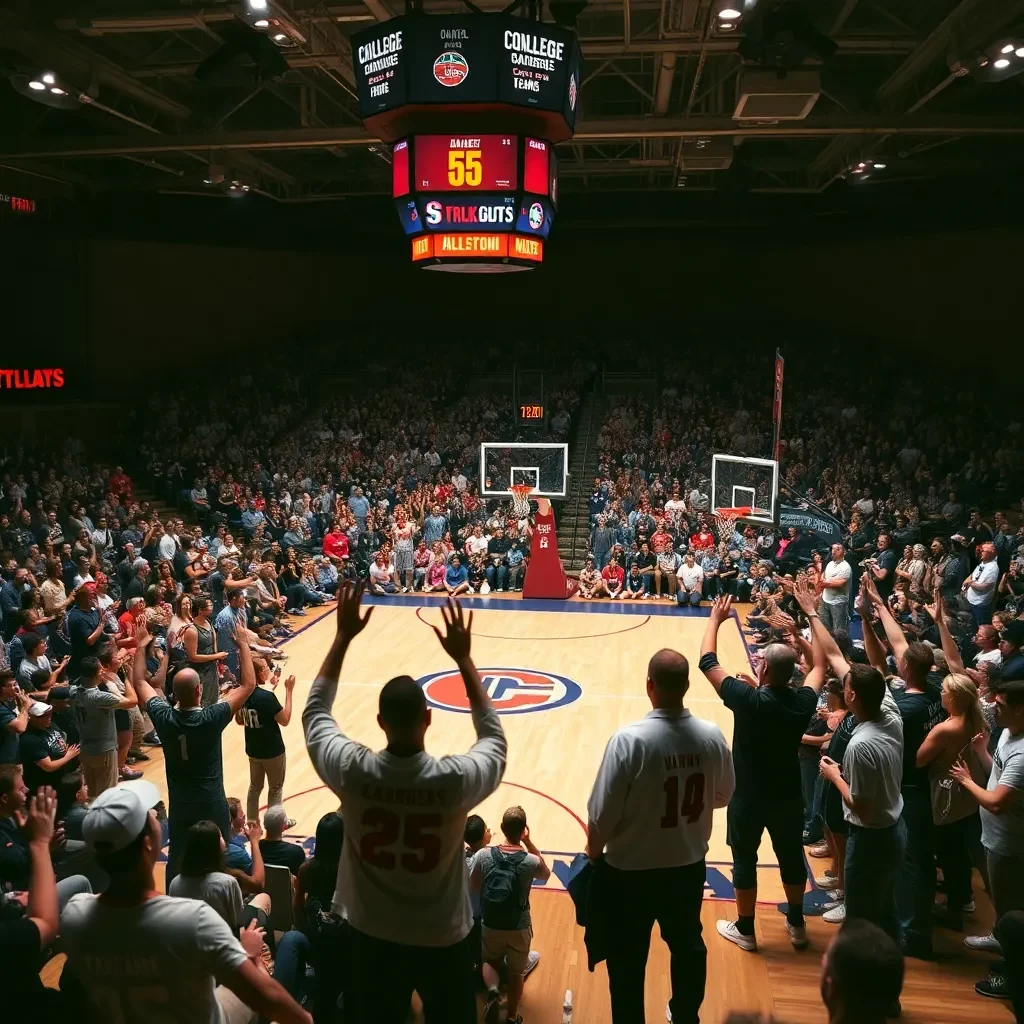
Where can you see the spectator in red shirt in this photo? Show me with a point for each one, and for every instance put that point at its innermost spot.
(662, 539)
(703, 539)
(613, 576)
(335, 545)
(127, 622)
(121, 484)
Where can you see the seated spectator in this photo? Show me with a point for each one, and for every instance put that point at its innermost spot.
(149, 946)
(613, 577)
(274, 849)
(456, 578)
(590, 582)
(44, 751)
(691, 583)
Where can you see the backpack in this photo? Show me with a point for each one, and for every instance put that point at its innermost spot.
(500, 897)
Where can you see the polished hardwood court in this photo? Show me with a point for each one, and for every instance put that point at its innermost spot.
(567, 675)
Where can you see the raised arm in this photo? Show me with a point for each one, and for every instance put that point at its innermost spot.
(714, 673)
(237, 697)
(949, 648)
(872, 645)
(143, 689)
(893, 633)
(284, 716)
(826, 647)
(42, 886)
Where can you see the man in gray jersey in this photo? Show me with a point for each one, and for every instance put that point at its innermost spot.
(136, 956)
(402, 876)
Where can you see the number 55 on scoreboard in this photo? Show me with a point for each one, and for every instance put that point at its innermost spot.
(448, 163)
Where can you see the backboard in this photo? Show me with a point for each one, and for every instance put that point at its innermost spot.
(544, 467)
(738, 481)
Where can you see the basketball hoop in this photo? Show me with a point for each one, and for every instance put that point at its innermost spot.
(521, 500)
(725, 520)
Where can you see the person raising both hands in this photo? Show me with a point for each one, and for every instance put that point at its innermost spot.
(402, 875)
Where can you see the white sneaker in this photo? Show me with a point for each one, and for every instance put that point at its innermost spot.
(827, 881)
(986, 943)
(968, 907)
(531, 961)
(728, 930)
(798, 936)
(836, 895)
(668, 1013)
(837, 915)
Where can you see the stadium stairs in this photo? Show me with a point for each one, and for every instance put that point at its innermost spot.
(574, 517)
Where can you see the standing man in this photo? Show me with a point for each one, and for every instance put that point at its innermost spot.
(650, 814)
(402, 877)
(868, 781)
(191, 738)
(1002, 818)
(883, 566)
(94, 709)
(85, 628)
(769, 722)
(834, 588)
(980, 587)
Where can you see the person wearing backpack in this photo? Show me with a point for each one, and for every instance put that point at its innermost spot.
(503, 875)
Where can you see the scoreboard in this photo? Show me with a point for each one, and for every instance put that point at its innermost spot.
(472, 105)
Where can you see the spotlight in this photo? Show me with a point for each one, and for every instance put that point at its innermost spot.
(262, 23)
(48, 78)
(57, 91)
(879, 167)
(1007, 48)
(36, 85)
(1019, 52)
(1001, 63)
(729, 14)
(280, 37)
(257, 5)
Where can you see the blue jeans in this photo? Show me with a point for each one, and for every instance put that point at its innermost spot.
(687, 600)
(916, 888)
(290, 962)
(874, 859)
(601, 559)
(497, 577)
(808, 777)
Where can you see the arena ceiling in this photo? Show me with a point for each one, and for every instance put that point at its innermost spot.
(660, 86)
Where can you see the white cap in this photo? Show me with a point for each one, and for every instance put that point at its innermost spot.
(118, 815)
(37, 709)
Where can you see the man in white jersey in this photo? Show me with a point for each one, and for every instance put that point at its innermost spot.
(834, 587)
(650, 815)
(402, 876)
(136, 956)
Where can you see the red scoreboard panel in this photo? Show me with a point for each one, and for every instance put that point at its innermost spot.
(400, 169)
(465, 163)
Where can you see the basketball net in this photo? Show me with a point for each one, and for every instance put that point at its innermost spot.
(726, 519)
(521, 500)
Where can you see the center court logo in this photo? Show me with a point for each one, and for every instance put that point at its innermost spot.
(451, 68)
(514, 691)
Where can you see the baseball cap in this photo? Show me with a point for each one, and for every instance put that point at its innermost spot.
(37, 709)
(60, 693)
(118, 815)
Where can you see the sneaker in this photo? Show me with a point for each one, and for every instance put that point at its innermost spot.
(820, 850)
(831, 905)
(827, 880)
(837, 915)
(290, 823)
(986, 943)
(127, 775)
(728, 930)
(836, 895)
(152, 740)
(968, 907)
(994, 986)
(531, 961)
(405, 590)
(297, 611)
(668, 1012)
(798, 935)
(491, 1006)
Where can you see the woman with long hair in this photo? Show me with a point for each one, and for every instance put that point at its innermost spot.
(962, 736)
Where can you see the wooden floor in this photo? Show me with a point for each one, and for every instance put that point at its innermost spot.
(553, 757)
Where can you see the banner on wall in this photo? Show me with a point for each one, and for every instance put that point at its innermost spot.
(804, 514)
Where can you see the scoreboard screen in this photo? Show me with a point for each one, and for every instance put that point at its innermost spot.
(449, 163)
(400, 168)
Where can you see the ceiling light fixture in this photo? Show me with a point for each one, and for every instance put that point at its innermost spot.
(1001, 63)
(280, 37)
(729, 14)
(1007, 48)
(1019, 52)
(57, 90)
(262, 23)
(38, 86)
(879, 167)
(48, 78)
(258, 5)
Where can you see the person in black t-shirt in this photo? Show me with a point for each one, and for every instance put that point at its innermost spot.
(262, 716)
(769, 721)
(191, 739)
(45, 754)
(274, 849)
(646, 560)
(883, 566)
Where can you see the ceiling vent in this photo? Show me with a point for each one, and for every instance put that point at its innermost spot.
(764, 96)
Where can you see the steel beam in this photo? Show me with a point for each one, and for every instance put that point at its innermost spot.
(587, 131)
(616, 48)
